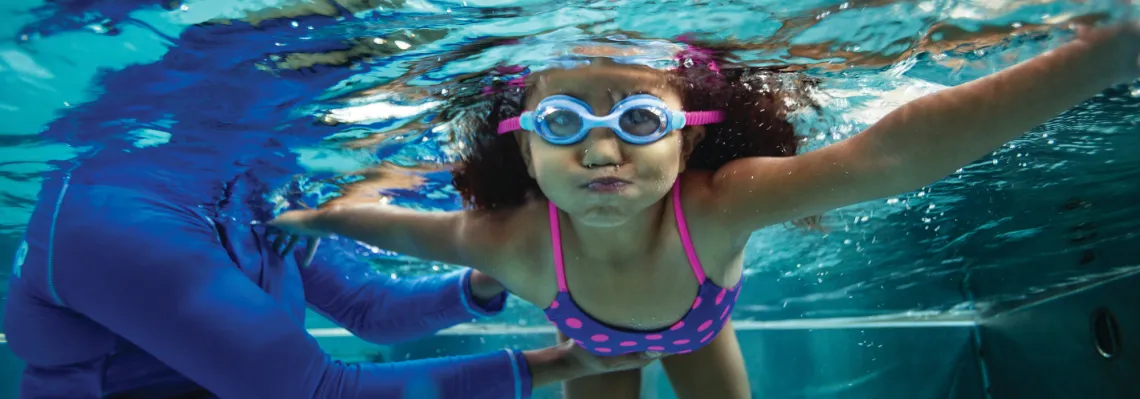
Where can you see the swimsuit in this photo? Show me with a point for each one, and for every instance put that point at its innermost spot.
(700, 325)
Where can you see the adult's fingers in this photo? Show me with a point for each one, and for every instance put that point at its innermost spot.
(633, 360)
(289, 245)
(310, 251)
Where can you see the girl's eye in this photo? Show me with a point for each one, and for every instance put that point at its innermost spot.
(640, 121)
(563, 122)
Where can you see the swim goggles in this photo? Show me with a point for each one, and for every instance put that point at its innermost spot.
(637, 119)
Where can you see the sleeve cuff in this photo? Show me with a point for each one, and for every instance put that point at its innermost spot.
(490, 308)
(524, 385)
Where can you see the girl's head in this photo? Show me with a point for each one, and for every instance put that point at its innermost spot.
(602, 179)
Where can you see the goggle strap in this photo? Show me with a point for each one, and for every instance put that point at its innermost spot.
(509, 125)
(703, 117)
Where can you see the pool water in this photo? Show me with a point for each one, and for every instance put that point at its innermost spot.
(203, 92)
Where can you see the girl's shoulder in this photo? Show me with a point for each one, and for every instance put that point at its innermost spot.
(525, 250)
(717, 248)
(698, 199)
(705, 205)
(517, 226)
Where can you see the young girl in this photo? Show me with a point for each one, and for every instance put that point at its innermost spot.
(620, 198)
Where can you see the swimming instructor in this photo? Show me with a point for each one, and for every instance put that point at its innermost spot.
(122, 290)
(142, 273)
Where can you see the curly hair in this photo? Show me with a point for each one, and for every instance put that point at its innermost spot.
(491, 173)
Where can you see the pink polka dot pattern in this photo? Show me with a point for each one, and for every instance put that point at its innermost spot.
(704, 326)
(693, 331)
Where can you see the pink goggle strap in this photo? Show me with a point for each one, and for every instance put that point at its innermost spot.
(703, 118)
(509, 125)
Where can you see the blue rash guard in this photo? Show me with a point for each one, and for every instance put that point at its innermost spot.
(120, 292)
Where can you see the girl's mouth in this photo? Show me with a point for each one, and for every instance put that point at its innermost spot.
(607, 185)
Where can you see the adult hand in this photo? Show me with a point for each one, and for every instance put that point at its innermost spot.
(567, 361)
(484, 287)
(593, 364)
(293, 226)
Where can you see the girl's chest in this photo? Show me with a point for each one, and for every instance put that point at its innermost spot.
(654, 293)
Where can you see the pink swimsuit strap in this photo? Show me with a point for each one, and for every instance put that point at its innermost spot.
(682, 229)
(556, 242)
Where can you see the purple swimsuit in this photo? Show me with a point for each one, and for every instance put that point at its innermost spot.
(700, 325)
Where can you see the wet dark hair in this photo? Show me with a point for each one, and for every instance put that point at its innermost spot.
(491, 173)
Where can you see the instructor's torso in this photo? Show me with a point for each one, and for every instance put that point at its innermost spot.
(69, 355)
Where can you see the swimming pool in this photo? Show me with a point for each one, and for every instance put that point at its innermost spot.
(981, 244)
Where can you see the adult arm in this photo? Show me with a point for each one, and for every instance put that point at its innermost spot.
(163, 282)
(378, 308)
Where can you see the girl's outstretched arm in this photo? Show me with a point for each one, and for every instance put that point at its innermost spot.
(477, 239)
(928, 138)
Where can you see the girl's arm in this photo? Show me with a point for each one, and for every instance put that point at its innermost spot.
(926, 139)
(477, 239)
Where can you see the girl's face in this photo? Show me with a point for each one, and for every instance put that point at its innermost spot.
(603, 181)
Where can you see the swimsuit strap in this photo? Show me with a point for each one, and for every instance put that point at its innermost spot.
(683, 230)
(556, 243)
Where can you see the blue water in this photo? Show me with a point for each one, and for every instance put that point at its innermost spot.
(310, 102)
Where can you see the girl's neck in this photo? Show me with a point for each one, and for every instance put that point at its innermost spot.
(621, 245)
